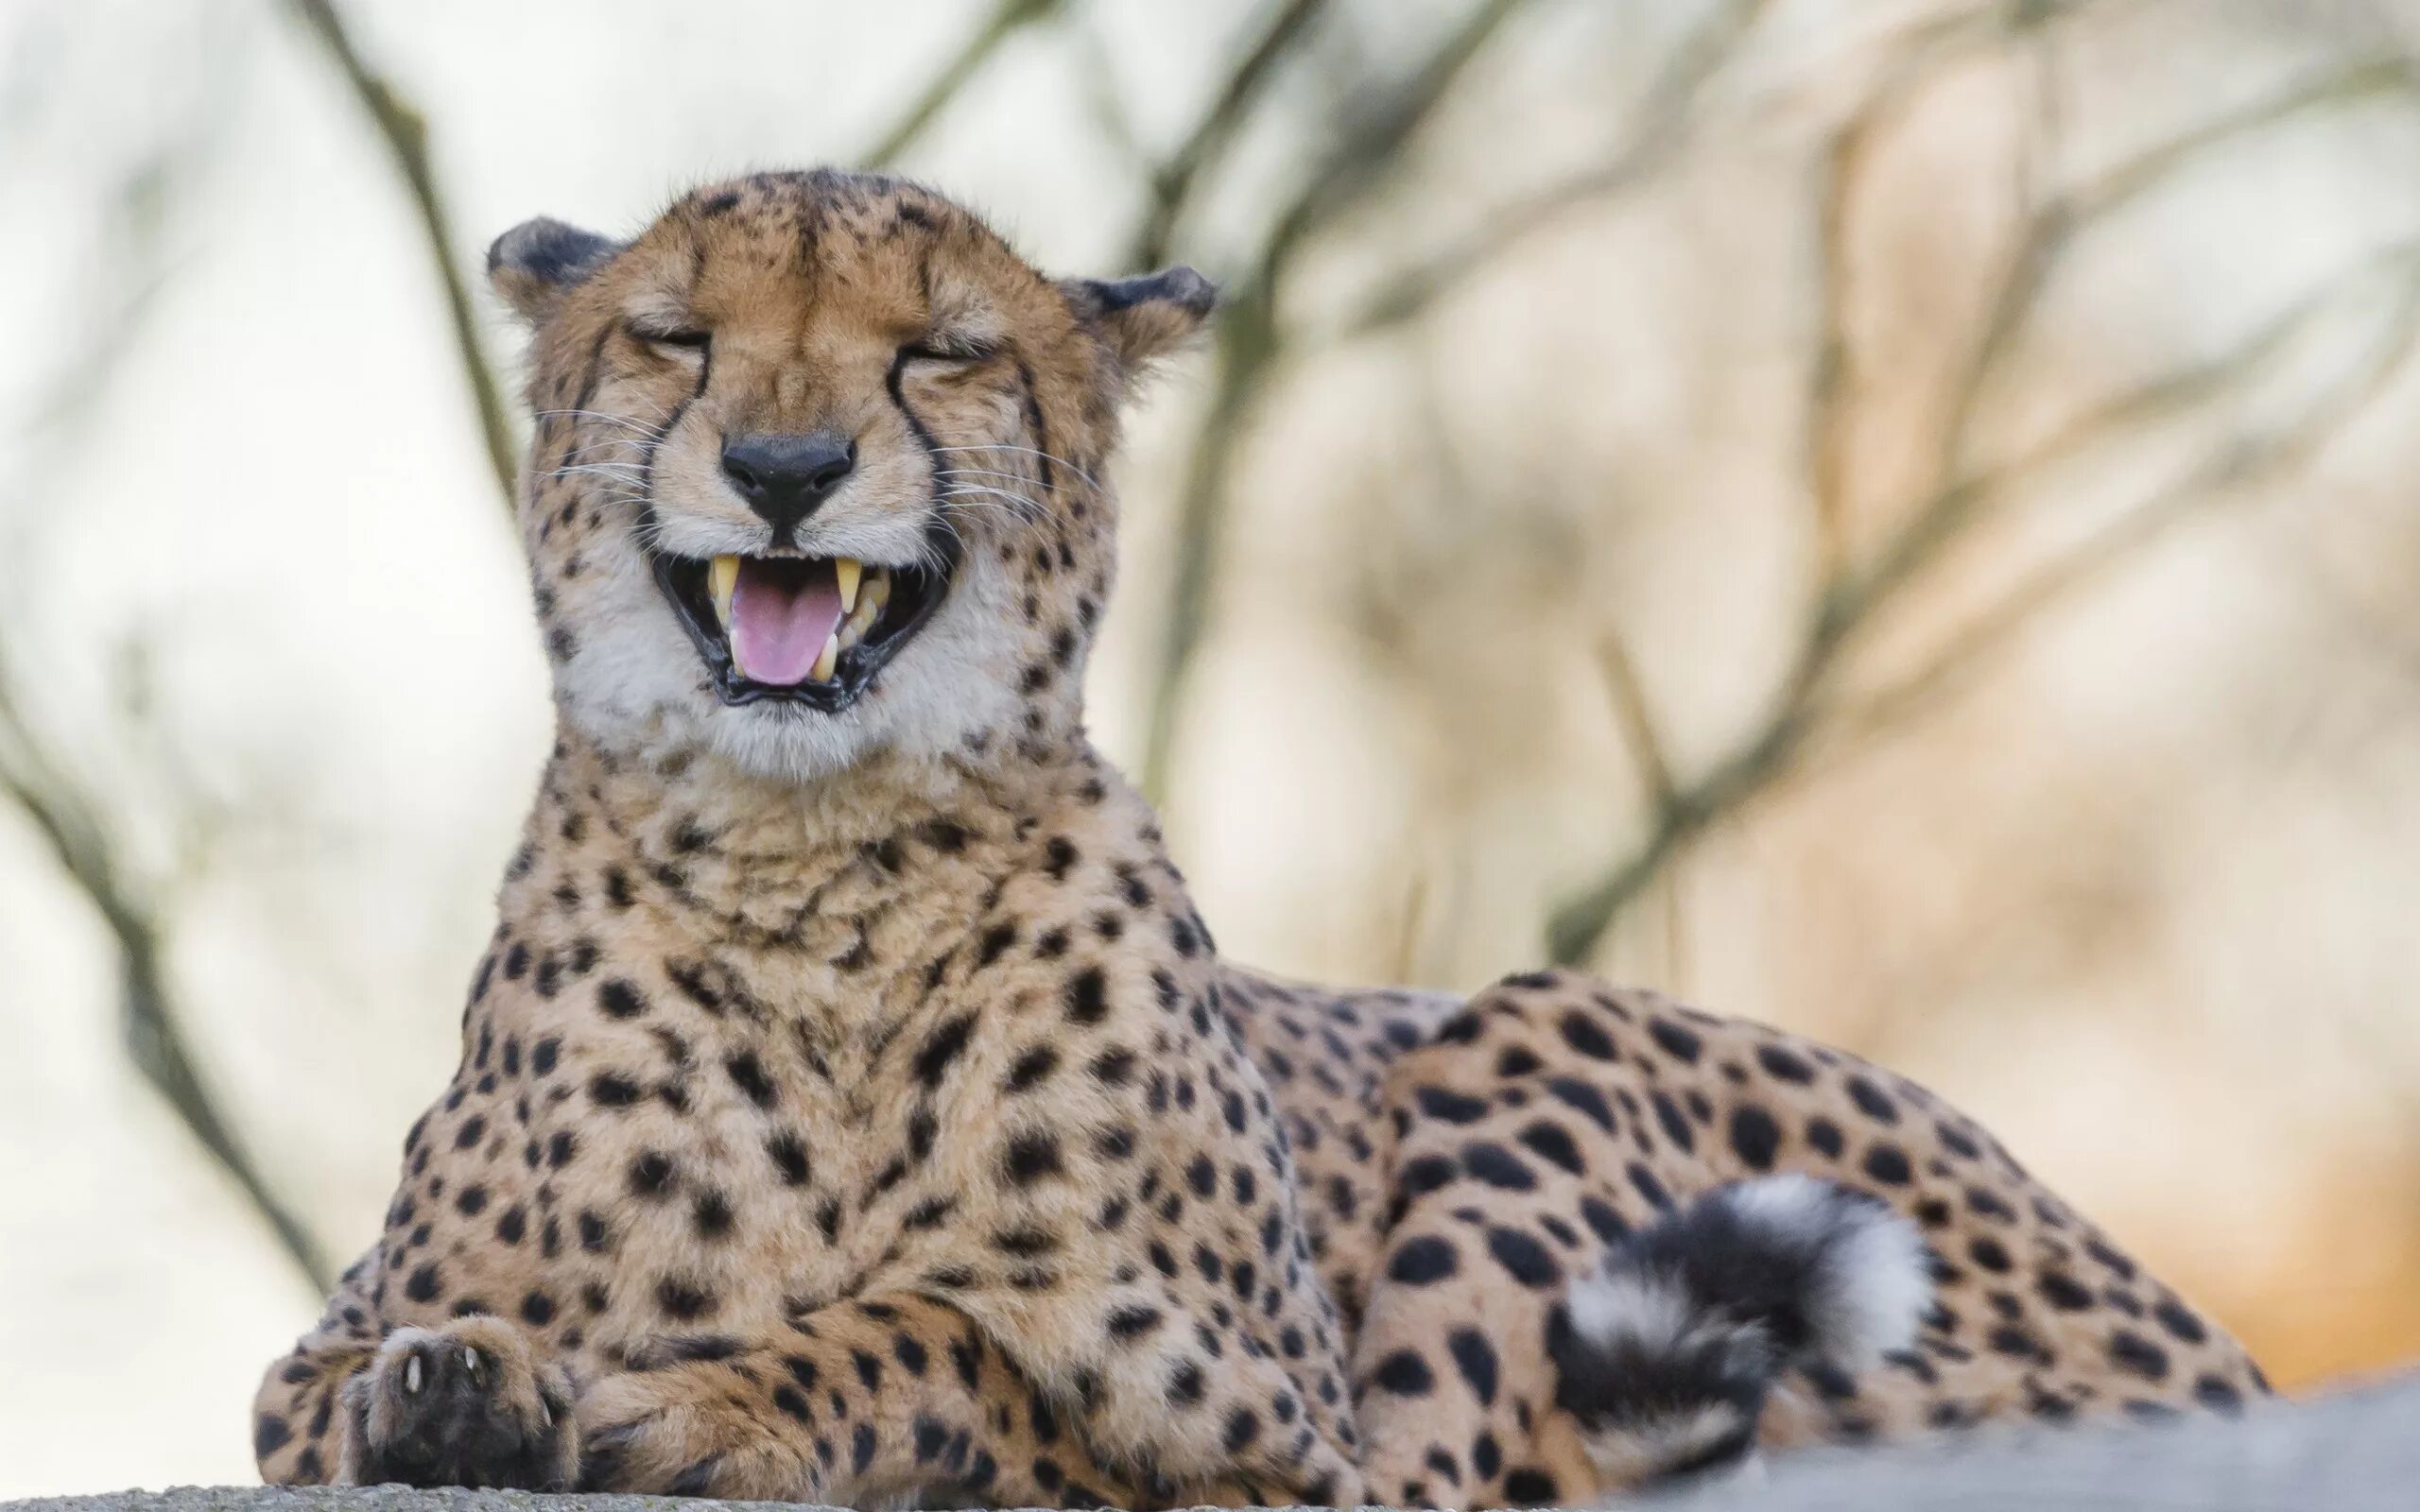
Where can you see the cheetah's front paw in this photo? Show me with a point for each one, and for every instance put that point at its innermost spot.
(468, 1405)
(691, 1429)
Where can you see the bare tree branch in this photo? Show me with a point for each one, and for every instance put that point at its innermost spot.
(406, 132)
(1005, 19)
(1249, 345)
(2068, 215)
(1629, 698)
(2230, 472)
(1655, 136)
(154, 1037)
(1831, 385)
(1283, 25)
(1854, 596)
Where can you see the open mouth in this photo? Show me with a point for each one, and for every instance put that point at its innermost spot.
(812, 631)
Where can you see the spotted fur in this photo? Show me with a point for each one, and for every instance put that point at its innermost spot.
(853, 1106)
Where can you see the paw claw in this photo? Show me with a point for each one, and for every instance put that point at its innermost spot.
(471, 1363)
(411, 1375)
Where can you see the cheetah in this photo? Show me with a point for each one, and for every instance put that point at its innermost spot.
(854, 1108)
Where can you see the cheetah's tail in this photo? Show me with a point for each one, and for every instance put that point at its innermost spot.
(1667, 1351)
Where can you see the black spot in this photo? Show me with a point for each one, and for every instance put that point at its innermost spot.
(790, 1157)
(651, 1173)
(995, 943)
(620, 998)
(1497, 1167)
(1603, 1221)
(1058, 857)
(748, 1074)
(1668, 1117)
(421, 1285)
(1581, 1033)
(1487, 1457)
(943, 1046)
(1451, 1106)
(1888, 1164)
(1823, 1136)
(1032, 1067)
(1784, 1065)
(1425, 1173)
(2216, 1395)
(608, 1090)
(1423, 1261)
(1872, 1100)
(1031, 1156)
(1643, 1181)
(537, 1309)
(2180, 1322)
(1133, 1321)
(1523, 1257)
(1514, 1061)
(1087, 996)
(1406, 1374)
(269, 1434)
(1582, 1098)
(1681, 1044)
(1476, 1359)
(1530, 1487)
(713, 1215)
(2131, 1352)
(542, 1057)
(1243, 1426)
(1754, 1137)
(2063, 1293)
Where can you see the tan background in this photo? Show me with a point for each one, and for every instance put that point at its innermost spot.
(2058, 347)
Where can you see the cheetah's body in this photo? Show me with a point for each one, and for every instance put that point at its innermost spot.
(858, 1109)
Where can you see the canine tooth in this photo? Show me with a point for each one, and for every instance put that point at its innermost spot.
(722, 577)
(824, 662)
(848, 570)
(878, 589)
(861, 618)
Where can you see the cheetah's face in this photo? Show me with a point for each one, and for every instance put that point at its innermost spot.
(816, 469)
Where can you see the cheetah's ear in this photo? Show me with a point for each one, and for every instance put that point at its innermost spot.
(1147, 318)
(535, 264)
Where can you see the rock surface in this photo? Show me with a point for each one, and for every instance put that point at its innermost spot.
(2358, 1451)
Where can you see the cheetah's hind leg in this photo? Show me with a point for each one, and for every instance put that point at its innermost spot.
(1665, 1353)
(468, 1405)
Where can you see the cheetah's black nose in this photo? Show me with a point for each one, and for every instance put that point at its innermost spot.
(787, 478)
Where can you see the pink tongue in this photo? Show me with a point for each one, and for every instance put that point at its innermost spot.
(779, 620)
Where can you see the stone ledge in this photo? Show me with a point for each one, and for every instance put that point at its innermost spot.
(2354, 1452)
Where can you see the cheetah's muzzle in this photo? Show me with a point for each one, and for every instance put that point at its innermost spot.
(810, 630)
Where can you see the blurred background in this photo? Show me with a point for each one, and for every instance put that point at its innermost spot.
(1896, 517)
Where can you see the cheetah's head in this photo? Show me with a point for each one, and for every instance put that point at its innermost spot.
(818, 471)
